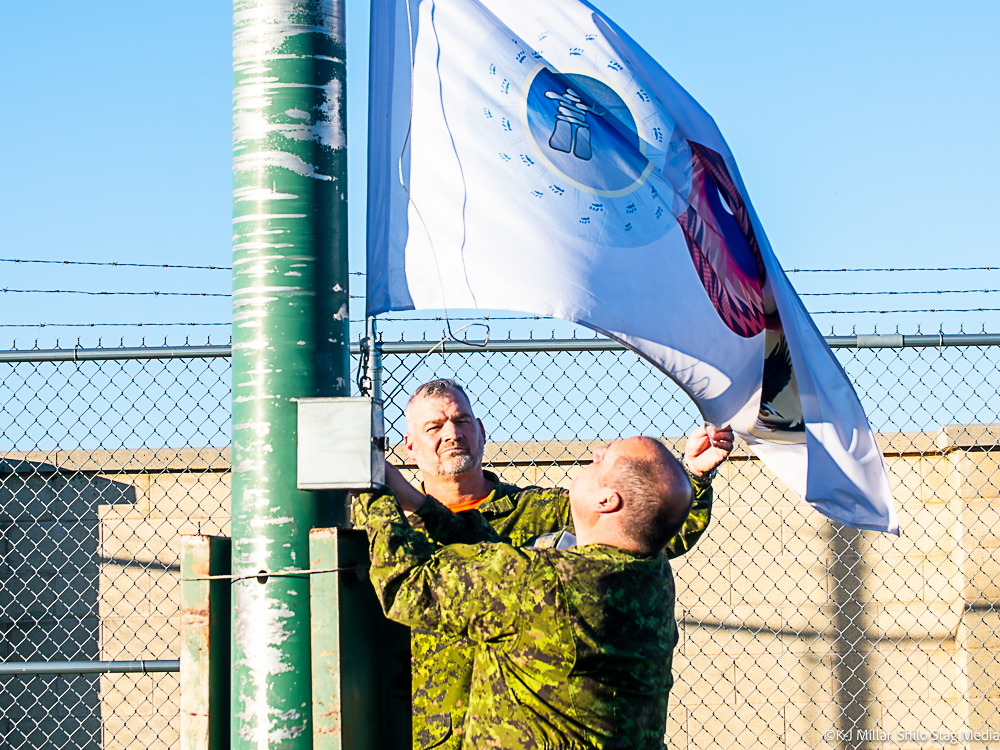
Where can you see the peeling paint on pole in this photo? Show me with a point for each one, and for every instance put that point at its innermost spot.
(290, 338)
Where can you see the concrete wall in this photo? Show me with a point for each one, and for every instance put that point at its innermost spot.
(791, 626)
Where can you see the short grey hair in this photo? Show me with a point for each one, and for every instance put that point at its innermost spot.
(435, 389)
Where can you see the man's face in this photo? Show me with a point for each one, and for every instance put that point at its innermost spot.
(445, 439)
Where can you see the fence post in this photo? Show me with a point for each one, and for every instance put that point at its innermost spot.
(205, 612)
(290, 339)
(345, 695)
(361, 660)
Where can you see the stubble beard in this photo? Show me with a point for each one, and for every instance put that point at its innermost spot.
(459, 464)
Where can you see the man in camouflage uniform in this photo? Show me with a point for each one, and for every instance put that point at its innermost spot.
(446, 441)
(574, 645)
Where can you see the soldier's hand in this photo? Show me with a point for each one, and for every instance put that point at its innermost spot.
(410, 498)
(706, 448)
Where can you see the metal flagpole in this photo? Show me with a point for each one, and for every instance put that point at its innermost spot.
(290, 340)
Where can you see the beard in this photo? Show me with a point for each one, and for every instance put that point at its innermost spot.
(460, 463)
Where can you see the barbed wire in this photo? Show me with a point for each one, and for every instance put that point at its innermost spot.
(873, 270)
(104, 325)
(362, 273)
(936, 291)
(132, 265)
(442, 318)
(876, 293)
(811, 312)
(125, 294)
(885, 312)
(228, 323)
(113, 263)
(439, 319)
(129, 294)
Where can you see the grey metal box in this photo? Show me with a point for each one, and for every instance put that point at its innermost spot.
(341, 444)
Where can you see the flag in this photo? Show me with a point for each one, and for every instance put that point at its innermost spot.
(528, 155)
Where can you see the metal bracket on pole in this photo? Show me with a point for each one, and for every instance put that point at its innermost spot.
(341, 444)
(375, 362)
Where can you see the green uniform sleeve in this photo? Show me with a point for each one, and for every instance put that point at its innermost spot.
(447, 527)
(471, 591)
(697, 520)
(440, 524)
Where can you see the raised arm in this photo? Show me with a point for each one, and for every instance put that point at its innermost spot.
(698, 518)
(473, 591)
(705, 450)
(439, 523)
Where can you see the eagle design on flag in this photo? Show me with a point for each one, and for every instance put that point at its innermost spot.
(724, 249)
(723, 246)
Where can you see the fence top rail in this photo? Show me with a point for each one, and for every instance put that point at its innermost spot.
(78, 354)
(860, 341)
(142, 666)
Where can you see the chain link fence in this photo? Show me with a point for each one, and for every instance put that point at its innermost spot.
(795, 631)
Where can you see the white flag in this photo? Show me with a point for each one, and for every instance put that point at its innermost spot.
(530, 156)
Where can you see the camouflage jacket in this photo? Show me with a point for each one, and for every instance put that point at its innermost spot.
(573, 647)
(442, 663)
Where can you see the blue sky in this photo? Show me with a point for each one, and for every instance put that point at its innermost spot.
(865, 133)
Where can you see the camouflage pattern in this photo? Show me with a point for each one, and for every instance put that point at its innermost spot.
(698, 517)
(574, 646)
(442, 664)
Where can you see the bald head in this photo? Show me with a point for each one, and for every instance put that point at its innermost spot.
(635, 495)
(655, 492)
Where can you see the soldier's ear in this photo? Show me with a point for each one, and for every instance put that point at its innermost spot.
(609, 501)
(408, 444)
(482, 430)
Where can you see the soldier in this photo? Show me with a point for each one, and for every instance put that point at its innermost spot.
(446, 441)
(574, 645)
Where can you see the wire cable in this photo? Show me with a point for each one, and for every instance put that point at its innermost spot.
(132, 265)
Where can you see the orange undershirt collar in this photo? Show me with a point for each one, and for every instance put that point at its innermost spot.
(469, 504)
(472, 504)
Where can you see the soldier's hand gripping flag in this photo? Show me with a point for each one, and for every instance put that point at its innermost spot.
(528, 155)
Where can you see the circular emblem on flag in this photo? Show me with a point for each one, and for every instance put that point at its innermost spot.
(572, 139)
(586, 132)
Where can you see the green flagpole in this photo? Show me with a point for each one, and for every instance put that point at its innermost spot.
(290, 340)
